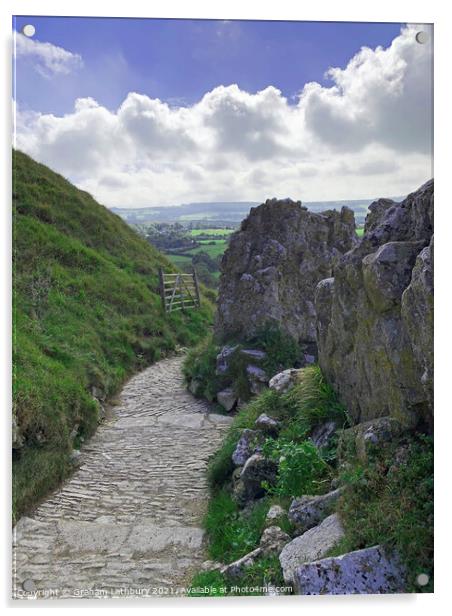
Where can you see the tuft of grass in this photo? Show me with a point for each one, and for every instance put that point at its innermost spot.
(86, 313)
(208, 584)
(232, 533)
(391, 503)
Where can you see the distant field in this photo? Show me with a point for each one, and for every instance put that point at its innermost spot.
(196, 232)
(213, 250)
(360, 231)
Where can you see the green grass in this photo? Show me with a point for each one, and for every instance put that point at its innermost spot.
(213, 250)
(179, 260)
(360, 231)
(231, 533)
(86, 313)
(392, 505)
(196, 232)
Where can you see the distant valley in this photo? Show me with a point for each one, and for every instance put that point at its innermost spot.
(227, 212)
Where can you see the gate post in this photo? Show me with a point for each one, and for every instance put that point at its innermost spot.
(195, 280)
(162, 288)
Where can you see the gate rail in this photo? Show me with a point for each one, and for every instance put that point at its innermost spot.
(179, 291)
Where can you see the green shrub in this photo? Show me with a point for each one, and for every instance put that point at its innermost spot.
(392, 504)
(301, 469)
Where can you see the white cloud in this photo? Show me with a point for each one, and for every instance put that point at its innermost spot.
(48, 59)
(366, 135)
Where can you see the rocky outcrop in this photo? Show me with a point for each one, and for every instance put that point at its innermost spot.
(368, 571)
(375, 316)
(272, 266)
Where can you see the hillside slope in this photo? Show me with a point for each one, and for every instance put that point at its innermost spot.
(86, 315)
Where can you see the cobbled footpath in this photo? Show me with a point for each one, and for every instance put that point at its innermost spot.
(128, 522)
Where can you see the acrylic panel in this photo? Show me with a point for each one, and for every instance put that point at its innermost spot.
(223, 308)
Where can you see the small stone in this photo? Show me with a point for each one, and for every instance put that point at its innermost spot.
(285, 380)
(75, 456)
(254, 354)
(248, 444)
(273, 540)
(257, 378)
(257, 469)
(268, 425)
(223, 359)
(275, 513)
(227, 399)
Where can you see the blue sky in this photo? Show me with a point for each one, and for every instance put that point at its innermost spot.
(180, 60)
(153, 112)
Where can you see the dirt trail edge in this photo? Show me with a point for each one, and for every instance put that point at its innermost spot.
(128, 522)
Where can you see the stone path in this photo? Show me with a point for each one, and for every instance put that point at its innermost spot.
(128, 521)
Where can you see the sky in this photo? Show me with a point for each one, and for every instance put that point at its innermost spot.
(144, 112)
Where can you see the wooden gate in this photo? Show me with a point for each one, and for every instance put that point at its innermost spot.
(179, 291)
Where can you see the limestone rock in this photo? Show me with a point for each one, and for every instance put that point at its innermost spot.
(366, 436)
(368, 571)
(273, 540)
(285, 380)
(255, 355)
(268, 425)
(323, 434)
(236, 569)
(275, 514)
(256, 470)
(312, 545)
(224, 357)
(248, 444)
(375, 317)
(272, 265)
(227, 398)
(257, 378)
(309, 511)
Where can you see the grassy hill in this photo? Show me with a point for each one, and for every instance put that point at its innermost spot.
(87, 314)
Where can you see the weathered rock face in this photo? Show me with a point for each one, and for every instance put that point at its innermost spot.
(272, 266)
(375, 317)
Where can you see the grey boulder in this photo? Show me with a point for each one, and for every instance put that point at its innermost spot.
(309, 511)
(312, 545)
(368, 571)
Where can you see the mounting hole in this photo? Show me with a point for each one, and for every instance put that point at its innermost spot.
(28, 585)
(29, 30)
(422, 579)
(422, 37)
